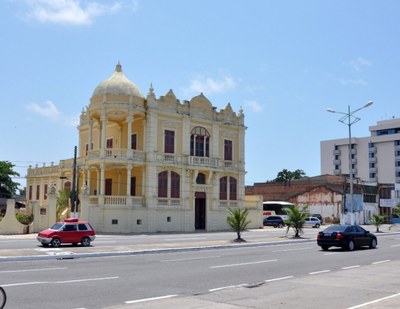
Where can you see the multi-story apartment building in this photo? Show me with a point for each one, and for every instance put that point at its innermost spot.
(146, 164)
(374, 159)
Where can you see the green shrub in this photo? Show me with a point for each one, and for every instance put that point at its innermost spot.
(24, 218)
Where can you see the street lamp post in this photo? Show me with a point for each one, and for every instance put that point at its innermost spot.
(349, 119)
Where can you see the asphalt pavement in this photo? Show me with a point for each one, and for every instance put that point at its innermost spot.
(280, 294)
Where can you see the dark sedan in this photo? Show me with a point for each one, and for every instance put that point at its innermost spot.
(274, 221)
(346, 236)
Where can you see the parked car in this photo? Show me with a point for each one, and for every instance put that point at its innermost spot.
(72, 230)
(313, 222)
(346, 236)
(319, 217)
(274, 221)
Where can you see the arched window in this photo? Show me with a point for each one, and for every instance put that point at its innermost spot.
(201, 179)
(232, 188)
(199, 142)
(223, 188)
(175, 185)
(163, 184)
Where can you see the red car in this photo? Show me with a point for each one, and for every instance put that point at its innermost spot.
(72, 230)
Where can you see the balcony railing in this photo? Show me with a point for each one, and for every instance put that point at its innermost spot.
(116, 154)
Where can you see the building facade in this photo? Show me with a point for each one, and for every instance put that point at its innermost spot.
(375, 158)
(327, 195)
(148, 164)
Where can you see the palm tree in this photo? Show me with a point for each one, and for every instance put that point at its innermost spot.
(62, 203)
(237, 220)
(296, 219)
(377, 220)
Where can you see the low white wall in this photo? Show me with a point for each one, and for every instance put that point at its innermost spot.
(9, 224)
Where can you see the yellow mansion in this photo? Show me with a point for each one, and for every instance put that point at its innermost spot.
(148, 164)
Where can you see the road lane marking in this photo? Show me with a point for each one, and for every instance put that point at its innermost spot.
(374, 301)
(319, 272)
(350, 267)
(242, 264)
(86, 280)
(393, 246)
(58, 282)
(227, 287)
(380, 262)
(277, 279)
(30, 270)
(149, 299)
(191, 259)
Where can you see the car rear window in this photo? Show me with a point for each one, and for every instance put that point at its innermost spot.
(83, 227)
(336, 228)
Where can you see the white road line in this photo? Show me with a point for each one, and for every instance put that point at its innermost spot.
(319, 272)
(277, 279)
(394, 246)
(350, 267)
(242, 264)
(191, 259)
(374, 301)
(30, 270)
(227, 287)
(85, 280)
(149, 299)
(380, 262)
(59, 282)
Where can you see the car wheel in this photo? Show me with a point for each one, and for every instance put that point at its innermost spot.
(350, 245)
(55, 242)
(325, 248)
(317, 226)
(373, 243)
(280, 225)
(85, 242)
(275, 226)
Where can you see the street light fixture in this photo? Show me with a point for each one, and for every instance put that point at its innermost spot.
(349, 119)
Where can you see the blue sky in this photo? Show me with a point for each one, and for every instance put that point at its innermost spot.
(283, 62)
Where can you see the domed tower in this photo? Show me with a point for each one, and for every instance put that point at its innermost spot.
(111, 128)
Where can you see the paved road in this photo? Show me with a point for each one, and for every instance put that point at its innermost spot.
(22, 247)
(346, 283)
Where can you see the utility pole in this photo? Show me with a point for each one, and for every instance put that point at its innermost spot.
(73, 193)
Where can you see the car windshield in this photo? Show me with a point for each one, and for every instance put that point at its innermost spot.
(336, 228)
(57, 226)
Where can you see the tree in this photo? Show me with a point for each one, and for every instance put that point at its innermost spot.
(377, 220)
(287, 176)
(296, 219)
(396, 211)
(7, 186)
(62, 203)
(237, 220)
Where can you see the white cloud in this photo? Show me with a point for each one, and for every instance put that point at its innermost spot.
(358, 81)
(50, 111)
(358, 64)
(254, 106)
(209, 85)
(77, 12)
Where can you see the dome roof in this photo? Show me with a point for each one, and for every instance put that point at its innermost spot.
(117, 83)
